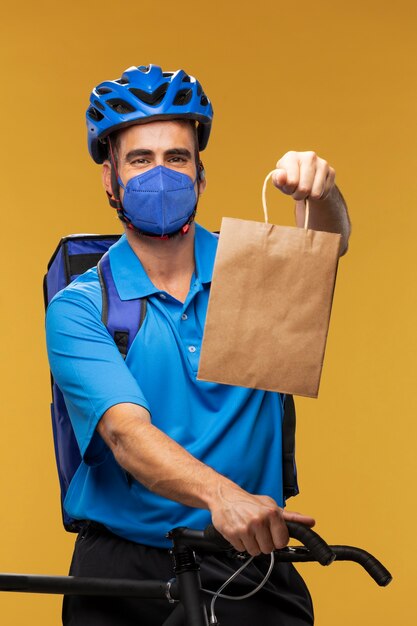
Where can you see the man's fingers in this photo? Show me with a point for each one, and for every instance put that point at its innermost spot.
(268, 537)
(243, 540)
(318, 187)
(236, 543)
(260, 536)
(304, 174)
(307, 164)
(269, 532)
(251, 544)
(279, 178)
(264, 528)
(253, 523)
(279, 533)
(290, 165)
(293, 516)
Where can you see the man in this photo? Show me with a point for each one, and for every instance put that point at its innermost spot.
(161, 449)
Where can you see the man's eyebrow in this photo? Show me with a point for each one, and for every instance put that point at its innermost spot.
(179, 152)
(138, 152)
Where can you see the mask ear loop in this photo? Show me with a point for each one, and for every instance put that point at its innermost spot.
(199, 177)
(306, 203)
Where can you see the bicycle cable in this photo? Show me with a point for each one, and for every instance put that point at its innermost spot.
(218, 594)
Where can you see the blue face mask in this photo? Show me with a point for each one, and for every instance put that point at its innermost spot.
(160, 201)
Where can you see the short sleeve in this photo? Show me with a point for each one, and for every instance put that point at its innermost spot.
(87, 367)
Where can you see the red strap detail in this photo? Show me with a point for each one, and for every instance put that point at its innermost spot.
(114, 202)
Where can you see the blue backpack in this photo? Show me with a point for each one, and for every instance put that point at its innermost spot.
(74, 255)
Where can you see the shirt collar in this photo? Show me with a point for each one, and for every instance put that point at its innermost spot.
(129, 274)
(205, 248)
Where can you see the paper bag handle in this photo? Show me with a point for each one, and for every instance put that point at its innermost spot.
(265, 207)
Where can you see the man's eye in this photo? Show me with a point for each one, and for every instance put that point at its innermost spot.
(139, 161)
(177, 159)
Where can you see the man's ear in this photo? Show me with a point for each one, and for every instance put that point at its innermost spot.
(106, 177)
(202, 183)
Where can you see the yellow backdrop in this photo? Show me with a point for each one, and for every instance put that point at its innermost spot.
(338, 78)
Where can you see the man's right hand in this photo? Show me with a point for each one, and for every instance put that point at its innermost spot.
(252, 523)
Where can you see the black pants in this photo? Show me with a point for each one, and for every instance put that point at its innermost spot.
(283, 601)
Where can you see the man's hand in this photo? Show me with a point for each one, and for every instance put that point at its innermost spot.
(252, 523)
(304, 174)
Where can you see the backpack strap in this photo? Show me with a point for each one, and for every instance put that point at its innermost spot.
(122, 318)
(288, 448)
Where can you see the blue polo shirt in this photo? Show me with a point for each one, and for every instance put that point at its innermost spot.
(235, 430)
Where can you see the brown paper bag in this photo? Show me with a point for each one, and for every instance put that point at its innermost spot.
(269, 307)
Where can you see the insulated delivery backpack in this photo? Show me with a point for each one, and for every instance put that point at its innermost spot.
(74, 255)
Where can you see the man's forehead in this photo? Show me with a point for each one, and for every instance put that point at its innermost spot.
(157, 134)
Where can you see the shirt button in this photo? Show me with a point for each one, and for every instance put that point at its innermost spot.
(162, 296)
(192, 349)
(184, 316)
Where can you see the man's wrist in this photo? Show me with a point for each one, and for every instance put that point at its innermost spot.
(219, 490)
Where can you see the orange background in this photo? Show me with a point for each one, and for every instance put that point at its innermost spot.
(338, 78)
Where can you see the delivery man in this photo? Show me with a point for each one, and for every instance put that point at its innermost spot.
(161, 449)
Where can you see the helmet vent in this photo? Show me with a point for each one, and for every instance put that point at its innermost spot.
(103, 90)
(167, 74)
(204, 100)
(183, 97)
(94, 115)
(144, 69)
(99, 105)
(186, 79)
(150, 98)
(120, 106)
(122, 81)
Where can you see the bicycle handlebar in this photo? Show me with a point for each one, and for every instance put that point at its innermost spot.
(375, 569)
(316, 549)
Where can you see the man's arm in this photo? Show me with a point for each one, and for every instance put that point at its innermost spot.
(305, 175)
(105, 399)
(250, 522)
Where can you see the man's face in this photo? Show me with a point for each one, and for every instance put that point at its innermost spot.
(141, 147)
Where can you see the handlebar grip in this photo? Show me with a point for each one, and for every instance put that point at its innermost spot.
(375, 569)
(317, 546)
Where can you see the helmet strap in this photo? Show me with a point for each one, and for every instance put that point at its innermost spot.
(114, 197)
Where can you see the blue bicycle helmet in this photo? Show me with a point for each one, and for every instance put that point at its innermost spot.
(141, 94)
